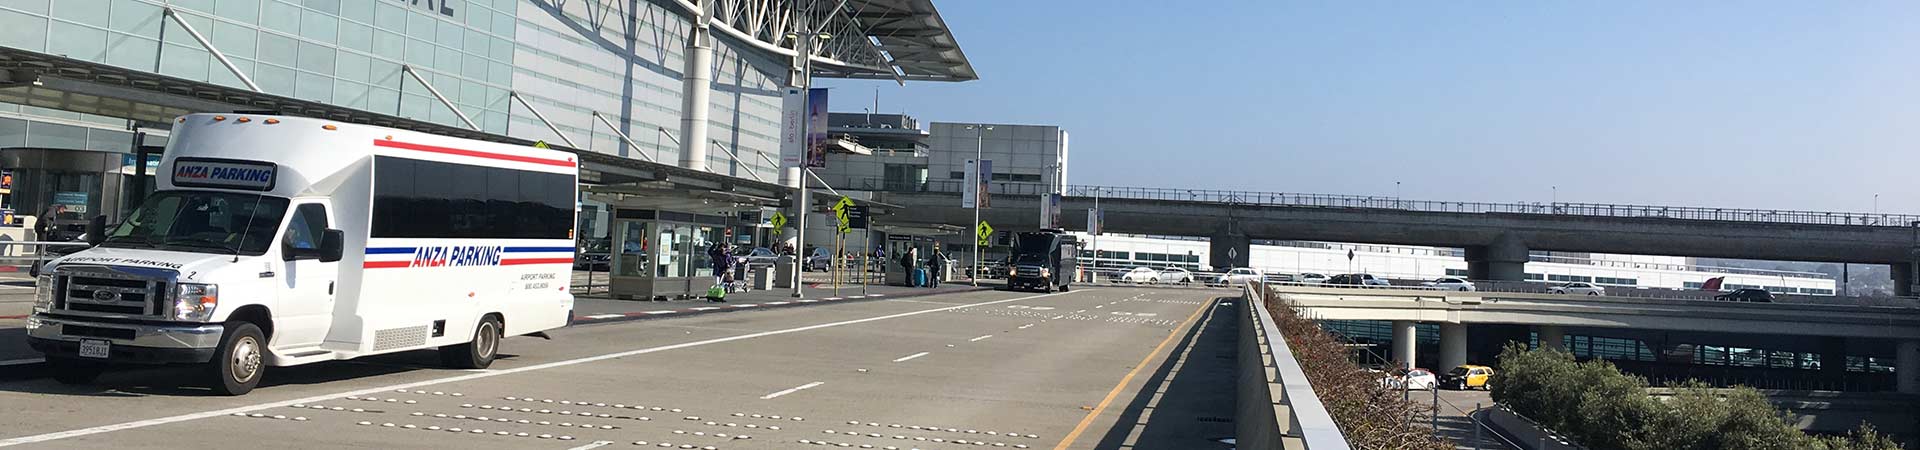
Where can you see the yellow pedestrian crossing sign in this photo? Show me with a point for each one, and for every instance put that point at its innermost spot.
(539, 144)
(779, 222)
(983, 232)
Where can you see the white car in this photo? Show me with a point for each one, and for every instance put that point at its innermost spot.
(1578, 288)
(1450, 284)
(1241, 275)
(1310, 278)
(761, 256)
(1144, 275)
(1417, 379)
(1176, 275)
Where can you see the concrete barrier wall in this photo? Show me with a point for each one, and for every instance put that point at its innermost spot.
(1276, 407)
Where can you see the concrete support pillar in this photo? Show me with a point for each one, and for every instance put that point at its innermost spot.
(1453, 346)
(1551, 336)
(1833, 355)
(1902, 278)
(1404, 339)
(1504, 260)
(1228, 250)
(1906, 368)
(696, 87)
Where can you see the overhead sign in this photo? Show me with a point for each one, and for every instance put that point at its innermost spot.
(983, 233)
(779, 222)
(224, 174)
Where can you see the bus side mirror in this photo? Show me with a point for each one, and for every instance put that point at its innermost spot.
(332, 243)
(96, 230)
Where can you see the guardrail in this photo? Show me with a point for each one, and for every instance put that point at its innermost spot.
(1276, 406)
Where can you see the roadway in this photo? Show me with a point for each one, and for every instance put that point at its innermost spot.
(1092, 368)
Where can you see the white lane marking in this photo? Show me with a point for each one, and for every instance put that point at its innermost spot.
(876, 295)
(1080, 311)
(324, 397)
(749, 305)
(595, 444)
(663, 311)
(793, 390)
(706, 308)
(856, 296)
(777, 303)
(808, 301)
(17, 362)
(605, 316)
(978, 339)
(1042, 308)
(832, 298)
(15, 287)
(1023, 327)
(912, 356)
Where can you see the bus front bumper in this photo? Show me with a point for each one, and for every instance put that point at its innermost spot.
(135, 343)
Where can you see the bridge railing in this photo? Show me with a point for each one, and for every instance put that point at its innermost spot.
(1276, 406)
(1555, 208)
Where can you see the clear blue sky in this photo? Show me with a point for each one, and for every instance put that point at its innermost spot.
(1792, 105)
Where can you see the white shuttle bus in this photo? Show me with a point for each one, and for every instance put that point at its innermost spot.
(279, 241)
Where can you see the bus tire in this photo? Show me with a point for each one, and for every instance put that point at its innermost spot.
(239, 360)
(478, 353)
(73, 372)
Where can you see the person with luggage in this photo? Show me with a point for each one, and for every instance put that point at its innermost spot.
(908, 260)
(936, 263)
(722, 260)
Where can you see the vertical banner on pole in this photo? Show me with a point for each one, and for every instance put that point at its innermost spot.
(817, 128)
(1093, 221)
(1051, 212)
(970, 189)
(983, 178)
(792, 142)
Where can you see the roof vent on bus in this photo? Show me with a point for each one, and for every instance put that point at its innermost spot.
(272, 121)
(329, 127)
(219, 118)
(242, 120)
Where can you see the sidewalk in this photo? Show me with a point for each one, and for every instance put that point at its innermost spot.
(598, 307)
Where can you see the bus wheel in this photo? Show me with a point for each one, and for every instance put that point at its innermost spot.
(478, 353)
(68, 371)
(238, 362)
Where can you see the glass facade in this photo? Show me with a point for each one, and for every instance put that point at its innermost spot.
(570, 60)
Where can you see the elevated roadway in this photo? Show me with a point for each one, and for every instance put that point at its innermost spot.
(1497, 237)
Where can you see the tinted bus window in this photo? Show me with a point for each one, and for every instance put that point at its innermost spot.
(427, 199)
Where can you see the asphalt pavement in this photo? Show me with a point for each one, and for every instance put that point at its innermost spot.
(1092, 368)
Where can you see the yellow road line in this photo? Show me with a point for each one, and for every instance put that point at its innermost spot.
(1095, 413)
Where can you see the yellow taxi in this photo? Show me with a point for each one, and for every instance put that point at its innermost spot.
(1468, 377)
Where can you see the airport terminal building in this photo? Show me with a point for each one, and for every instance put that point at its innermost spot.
(694, 89)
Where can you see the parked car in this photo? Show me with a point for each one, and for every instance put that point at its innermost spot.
(1144, 275)
(1279, 278)
(1176, 275)
(1450, 284)
(1469, 377)
(593, 254)
(1746, 295)
(1416, 379)
(1356, 279)
(1310, 278)
(1578, 288)
(761, 256)
(820, 261)
(1239, 275)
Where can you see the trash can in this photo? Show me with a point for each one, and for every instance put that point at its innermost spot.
(783, 272)
(762, 277)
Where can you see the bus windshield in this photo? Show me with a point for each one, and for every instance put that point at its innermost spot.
(203, 222)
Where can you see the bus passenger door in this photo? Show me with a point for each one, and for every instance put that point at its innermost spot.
(305, 309)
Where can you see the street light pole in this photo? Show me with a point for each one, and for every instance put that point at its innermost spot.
(979, 153)
(803, 51)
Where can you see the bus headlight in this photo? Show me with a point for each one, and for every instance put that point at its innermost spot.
(192, 301)
(43, 294)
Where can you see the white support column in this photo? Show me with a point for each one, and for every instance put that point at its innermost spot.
(696, 89)
(1403, 343)
(1551, 336)
(1453, 346)
(1907, 366)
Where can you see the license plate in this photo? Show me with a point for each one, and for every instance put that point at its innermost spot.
(95, 348)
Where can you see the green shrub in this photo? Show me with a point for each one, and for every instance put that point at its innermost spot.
(1600, 407)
